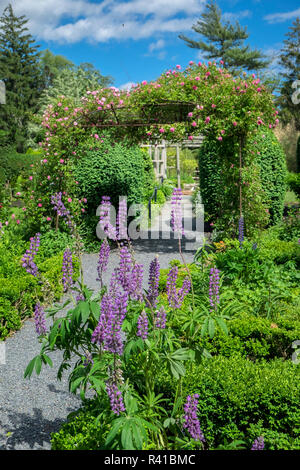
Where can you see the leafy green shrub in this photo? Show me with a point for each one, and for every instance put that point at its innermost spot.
(237, 394)
(293, 181)
(81, 431)
(112, 170)
(256, 338)
(215, 178)
(9, 318)
(54, 242)
(13, 164)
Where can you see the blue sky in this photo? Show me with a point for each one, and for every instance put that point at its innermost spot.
(135, 40)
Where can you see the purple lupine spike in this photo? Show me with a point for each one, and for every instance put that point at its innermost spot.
(153, 282)
(184, 290)
(40, 320)
(191, 422)
(122, 220)
(160, 318)
(175, 297)
(241, 231)
(67, 270)
(142, 325)
(214, 285)
(88, 359)
(171, 286)
(136, 281)
(108, 332)
(103, 259)
(258, 444)
(115, 397)
(125, 268)
(176, 212)
(28, 258)
(104, 221)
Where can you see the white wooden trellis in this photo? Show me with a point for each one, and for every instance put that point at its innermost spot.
(158, 154)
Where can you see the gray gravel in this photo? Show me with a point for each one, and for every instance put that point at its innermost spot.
(31, 409)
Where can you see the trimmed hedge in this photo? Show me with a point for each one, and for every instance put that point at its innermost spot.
(238, 396)
(113, 170)
(255, 338)
(270, 159)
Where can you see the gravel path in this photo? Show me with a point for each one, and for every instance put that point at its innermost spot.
(31, 409)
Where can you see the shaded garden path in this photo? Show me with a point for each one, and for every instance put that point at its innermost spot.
(31, 409)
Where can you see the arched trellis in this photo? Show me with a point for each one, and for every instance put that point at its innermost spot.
(201, 99)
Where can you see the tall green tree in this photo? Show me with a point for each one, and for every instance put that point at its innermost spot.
(223, 40)
(19, 69)
(290, 61)
(52, 65)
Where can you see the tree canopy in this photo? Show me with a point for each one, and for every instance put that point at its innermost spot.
(223, 40)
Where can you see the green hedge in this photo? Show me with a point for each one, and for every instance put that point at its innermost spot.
(270, 159)
(113, 170)
(255, 338)
(237, 396)
(293, 181)
(272, 163)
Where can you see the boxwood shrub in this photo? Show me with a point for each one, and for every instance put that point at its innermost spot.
(237, 395)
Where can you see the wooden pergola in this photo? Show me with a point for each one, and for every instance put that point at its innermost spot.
(158, 154)
(166, 112)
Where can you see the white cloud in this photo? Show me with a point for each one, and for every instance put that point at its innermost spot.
(281, 17)
(72, 21)
(154, 46)
(237, 16)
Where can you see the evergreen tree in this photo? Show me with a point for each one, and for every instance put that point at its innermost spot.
(290, 60)
(224, 41)
(20, 72)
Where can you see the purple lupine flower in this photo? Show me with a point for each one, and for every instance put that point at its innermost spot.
(171, 286)
(136, 281)
(88, 359)
(122, 220)
(40, 320)
(103, 259)
(176, 212)
(105, 223)
(191, 422)
(67, 269)
(79, 297)
(160, 318)
(115, 397)
(175, 297)
(125, 268)
(153, 282)
(184, 290)
(28, 258)
(142, 325)
(214, 285)
(258, 444)
(108, 332)
(241, 231)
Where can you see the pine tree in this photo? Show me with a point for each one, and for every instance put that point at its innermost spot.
(21, 74)
(290, 60)
(225, 41)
